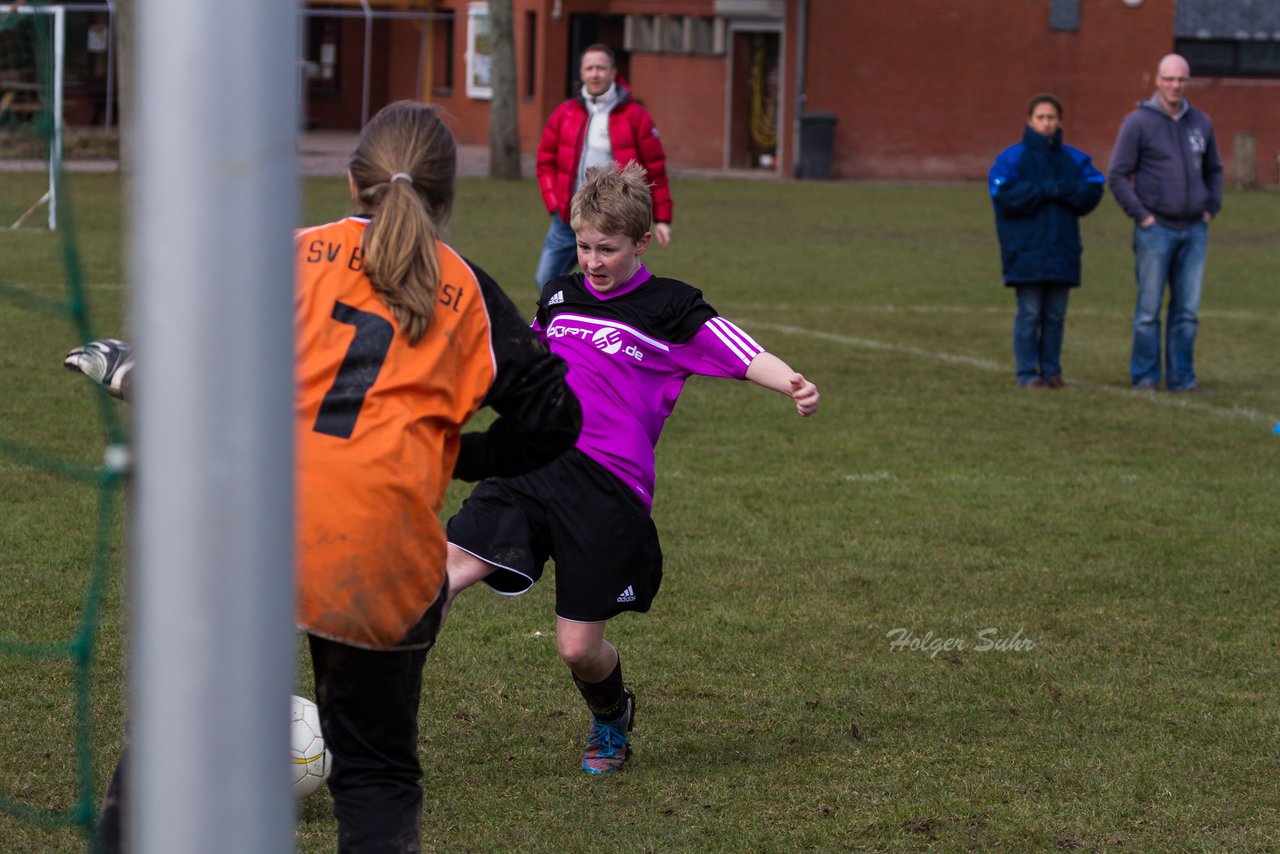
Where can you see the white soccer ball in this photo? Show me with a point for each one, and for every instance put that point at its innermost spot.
(311, 761)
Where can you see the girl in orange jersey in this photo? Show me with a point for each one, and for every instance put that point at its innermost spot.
(399, 341)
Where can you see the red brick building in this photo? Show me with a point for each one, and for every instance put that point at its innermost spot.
(886, 89)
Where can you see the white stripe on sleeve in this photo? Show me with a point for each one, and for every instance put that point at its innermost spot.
(742, 345)
(735, 339)
(737, 331)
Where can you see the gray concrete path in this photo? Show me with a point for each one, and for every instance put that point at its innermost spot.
(319, 153)
(326, 153)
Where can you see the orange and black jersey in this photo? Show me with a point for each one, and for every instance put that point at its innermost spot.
(378, 431)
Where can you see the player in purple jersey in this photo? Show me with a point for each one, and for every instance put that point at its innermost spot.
(630, 339)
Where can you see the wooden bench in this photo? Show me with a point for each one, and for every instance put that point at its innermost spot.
(19, 98)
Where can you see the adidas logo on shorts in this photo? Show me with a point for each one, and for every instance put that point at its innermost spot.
(628, 595)
(556, 298)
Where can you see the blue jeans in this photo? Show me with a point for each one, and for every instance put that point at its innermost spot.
(1038, 331)
(559, 253)
(1164, 256)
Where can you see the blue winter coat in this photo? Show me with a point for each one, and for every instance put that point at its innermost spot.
(1040, 188)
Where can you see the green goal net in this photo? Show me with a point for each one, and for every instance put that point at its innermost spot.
(32, 39)
(62, 467)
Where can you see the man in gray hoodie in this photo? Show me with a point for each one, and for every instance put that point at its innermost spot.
(1166, 174)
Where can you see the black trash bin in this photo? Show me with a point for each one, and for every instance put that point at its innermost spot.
(817, 139)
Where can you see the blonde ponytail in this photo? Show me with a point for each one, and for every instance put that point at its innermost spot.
(403, 171)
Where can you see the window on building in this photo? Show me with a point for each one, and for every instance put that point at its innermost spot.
(1228, 38)
(673, 40)
(674, 34)
(442, 55)
(640, 32)
(706, 35)
(479, 52)
(320, 63)
(1230, 57)
(1064, 15)
(530, 53)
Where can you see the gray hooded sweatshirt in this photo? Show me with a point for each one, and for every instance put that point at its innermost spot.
(1167, 166)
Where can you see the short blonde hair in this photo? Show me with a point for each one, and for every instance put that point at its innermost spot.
(612, 201)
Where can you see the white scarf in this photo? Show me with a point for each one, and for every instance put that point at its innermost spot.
(597, 149)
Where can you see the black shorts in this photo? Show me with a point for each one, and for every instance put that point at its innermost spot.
(605, 545)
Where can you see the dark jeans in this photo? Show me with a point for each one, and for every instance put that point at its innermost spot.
(368, 702)
(559, 253)
(110, 836)
(1176, 258)
(1038, 330)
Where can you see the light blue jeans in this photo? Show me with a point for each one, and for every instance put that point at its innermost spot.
(559, 253)
(1176, 258)
(1038, 331)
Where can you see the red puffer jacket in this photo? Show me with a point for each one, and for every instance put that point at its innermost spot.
(632, 135)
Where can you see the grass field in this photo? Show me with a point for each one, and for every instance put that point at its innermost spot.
(945, 614)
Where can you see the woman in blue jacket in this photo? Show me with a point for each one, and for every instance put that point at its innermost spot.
(1040, 188)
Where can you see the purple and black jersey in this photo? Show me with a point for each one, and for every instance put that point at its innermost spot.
(629, 352)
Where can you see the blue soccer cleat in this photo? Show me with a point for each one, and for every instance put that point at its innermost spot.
(608, 747)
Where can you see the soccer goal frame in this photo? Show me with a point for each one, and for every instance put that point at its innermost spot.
(213, 195)
(51, 87)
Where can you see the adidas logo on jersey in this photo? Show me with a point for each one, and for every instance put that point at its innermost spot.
(628, 595)
(556, 298)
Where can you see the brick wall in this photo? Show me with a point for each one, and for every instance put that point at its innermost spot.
(1244, 106)
(932, 89)
(685, 96)
(922, 89)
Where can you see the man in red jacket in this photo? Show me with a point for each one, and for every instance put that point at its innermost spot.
(603, 124)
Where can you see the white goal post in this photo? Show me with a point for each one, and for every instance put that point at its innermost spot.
(53, 104)
(213, 645)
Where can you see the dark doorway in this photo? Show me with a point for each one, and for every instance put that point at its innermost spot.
(588, 29)
(753, 120)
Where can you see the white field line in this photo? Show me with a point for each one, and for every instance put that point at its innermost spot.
(1219, 314)
(1185, 402)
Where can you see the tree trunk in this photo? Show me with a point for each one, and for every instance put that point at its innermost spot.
(124, 89)
(126, 122)
(504, 132)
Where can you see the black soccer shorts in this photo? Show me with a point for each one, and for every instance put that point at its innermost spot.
(605, 545)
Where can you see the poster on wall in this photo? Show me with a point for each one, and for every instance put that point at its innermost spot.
(479, 60)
